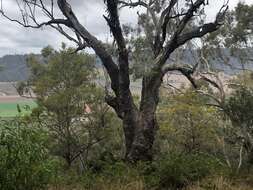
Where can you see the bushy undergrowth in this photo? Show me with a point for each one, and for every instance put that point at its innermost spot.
(173, 171)
(26, 164)
(24, 160)
(179, 170)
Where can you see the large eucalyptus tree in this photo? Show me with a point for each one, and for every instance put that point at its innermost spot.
(173, 23)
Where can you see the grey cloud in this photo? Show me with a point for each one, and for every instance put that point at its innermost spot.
(15, 39)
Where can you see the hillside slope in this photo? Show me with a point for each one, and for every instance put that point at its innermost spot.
(13, 68)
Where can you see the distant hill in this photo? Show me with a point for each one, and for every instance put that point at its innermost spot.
(13, 67)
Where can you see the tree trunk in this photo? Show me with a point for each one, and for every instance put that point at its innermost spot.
(142, 140)
(140, 127)
(139, 137)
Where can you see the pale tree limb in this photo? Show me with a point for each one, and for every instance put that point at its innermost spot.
(186, 70)
(240, 157)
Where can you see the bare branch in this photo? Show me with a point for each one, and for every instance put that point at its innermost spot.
(189, 14)
(114, 24)
(142, 4)
(26, 25)
(179, 39)
(186, 70)
(218, 85)
(165, 17)
(93, 42)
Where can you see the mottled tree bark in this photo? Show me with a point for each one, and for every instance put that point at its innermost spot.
(143, 139)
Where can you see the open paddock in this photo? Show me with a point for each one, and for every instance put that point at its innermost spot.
(9, 105)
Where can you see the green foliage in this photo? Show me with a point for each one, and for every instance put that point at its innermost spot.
(175, 170)
(239, 107)
(101, 173)
(24, 159)
(67, 96)
(233, 41)
(244, 78)
(187, 124)
(171, 171)
(64, 81)
(244, 26)
(141, 57)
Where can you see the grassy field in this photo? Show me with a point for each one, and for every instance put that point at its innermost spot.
(10, 109)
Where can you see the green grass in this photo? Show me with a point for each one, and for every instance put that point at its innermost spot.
(11, 109)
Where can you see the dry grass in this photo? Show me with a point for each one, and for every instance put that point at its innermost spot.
(220, 183)
(135, 185)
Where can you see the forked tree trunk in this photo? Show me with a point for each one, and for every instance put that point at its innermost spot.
(140, 126)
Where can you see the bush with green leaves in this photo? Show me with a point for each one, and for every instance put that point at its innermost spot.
(69, 102)
(176, 170)
(187, 124)
(239, 109)
(172, 171)
(101, 173)
(24, 160)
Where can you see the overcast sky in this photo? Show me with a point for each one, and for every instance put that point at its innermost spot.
(15, 39)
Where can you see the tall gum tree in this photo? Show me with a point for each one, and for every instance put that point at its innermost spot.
(172, 28)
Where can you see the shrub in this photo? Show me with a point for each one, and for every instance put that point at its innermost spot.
(108, 170)
(179, 170)
(24, 160)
